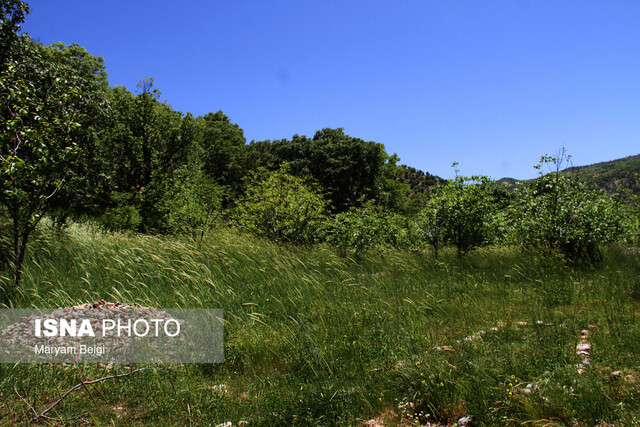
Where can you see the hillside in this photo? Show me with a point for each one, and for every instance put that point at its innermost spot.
(605, 175)
(418, 181)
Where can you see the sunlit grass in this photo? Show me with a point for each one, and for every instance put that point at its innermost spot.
(315, 338)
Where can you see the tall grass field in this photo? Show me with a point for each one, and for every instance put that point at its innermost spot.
(315, 338)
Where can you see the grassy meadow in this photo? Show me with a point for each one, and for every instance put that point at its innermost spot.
(315, 338)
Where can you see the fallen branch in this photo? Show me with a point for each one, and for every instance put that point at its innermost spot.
(43, 414)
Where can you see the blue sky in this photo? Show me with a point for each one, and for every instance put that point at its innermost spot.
(490, 84)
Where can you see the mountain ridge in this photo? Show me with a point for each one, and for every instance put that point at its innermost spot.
(609, 175)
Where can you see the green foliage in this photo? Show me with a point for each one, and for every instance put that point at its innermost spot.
(123, 214)
(459, 213)
(192, 202)
(362, 228)
(631, 201)
(122, 218)
(348, 170)
(12, 14)
(222, 145)
(392, 191)
(559, 212)
(431, 223)
(92, 110)
(40, 137)
(283, 208)
(358, 229)
(145, 139)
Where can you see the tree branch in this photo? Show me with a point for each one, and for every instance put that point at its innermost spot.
(43, 414)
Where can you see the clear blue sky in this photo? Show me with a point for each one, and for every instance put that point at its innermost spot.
(491, 84)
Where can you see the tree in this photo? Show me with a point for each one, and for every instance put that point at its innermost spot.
(92, 109)
(39, 147)
(458, 213)
(12, 14)
(431, 223)
(143, 126)
(359, 229)
(284, 208)
(223, 150)
(191, 201)
(557, 211)
(348, 170)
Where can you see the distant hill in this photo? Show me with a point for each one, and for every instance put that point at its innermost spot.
(605, 175)
(418, 181)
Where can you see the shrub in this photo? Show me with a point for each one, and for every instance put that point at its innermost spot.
(122, 218)
(559, 212)
(459, 214)
(284, 208)
(192, 202)
(358, 229)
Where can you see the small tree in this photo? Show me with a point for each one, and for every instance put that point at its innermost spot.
(192, 202)
(284, 208)
(38, 144)
(559, 212)
(458, 213)
(431, 223)
(359, 229)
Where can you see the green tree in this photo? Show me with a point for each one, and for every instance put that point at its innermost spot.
(348, 170)
(12, 14)
(557, 211)
(223, 146)
(284, 208)
(459, 213)
(431, 223)
(358, 229)
(39, 147)
(92, 110)
(144, 126)
(192, 201)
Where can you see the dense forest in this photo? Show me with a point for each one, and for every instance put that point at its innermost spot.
(75, 148)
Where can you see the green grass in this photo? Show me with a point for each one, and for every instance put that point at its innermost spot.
(312, 338)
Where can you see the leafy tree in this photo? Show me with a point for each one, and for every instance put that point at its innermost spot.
(634, 212)
(362, 228)
(349, 171)
(358, 229)
(347, 168)
(39, 148)
(92, 111)
(459, 213)
(123, 215)
(393, 192)
(284, 208)
(143, 126)
(12, 14)
(192, 202)
(223, 150)
(559, 212)
(431, 223)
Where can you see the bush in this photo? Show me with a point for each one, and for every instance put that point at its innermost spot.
(459, 214)
(358, 229)
(282, 207)
(122, 218)
(192, 202)
(559, 212)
